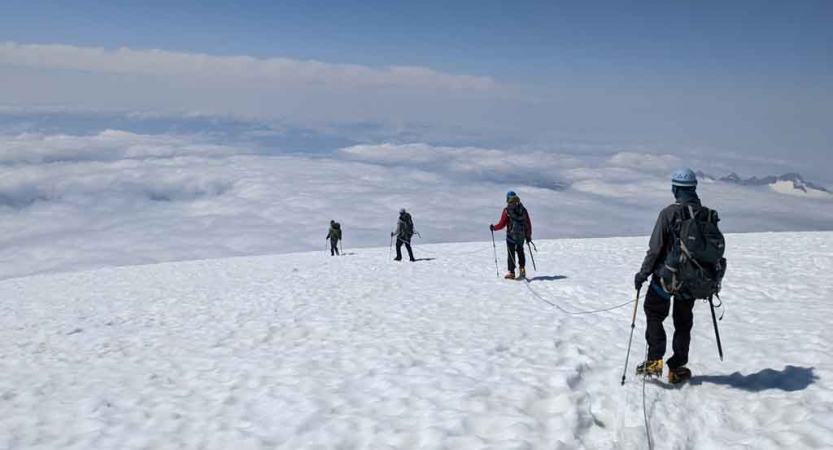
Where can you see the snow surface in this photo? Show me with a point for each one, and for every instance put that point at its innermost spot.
(305, 352)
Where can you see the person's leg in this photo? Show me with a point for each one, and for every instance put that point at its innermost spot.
(510, 260)
(683, 320)
(656, 310)
(410, 251)
(519, 248)
(398, 250)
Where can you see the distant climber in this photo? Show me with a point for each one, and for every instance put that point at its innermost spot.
(334, 235)
(518, 230)
(404, 232)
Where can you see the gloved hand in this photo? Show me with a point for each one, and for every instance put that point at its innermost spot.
(528, 240)
(639, 279)
(392, 234)
(492, 227)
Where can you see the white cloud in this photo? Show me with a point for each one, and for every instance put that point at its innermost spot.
(237, 69)
(109, 145)
(645, 161)
(70, 202)
(537, 168)
(305, 93)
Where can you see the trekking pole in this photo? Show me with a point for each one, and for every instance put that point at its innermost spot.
(494, 247)
(630, 340)
(531, 255)
(716, 332)
(326, 248)
(390, 249)
(340, 247)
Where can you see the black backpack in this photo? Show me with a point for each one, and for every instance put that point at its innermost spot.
(409, 224)
(695, 266)
(517, 222)
(335, 231)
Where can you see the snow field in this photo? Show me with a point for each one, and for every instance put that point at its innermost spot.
(306, 352)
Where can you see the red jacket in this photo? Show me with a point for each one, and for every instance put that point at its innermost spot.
(504, 222)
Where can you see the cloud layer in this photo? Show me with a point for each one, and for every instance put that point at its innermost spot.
(70, 202)
(202, 67)
(244, 86)
(679, 113)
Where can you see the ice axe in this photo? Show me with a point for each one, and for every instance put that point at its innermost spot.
(529, 245)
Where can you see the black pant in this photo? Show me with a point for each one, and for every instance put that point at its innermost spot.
(513, 248)
(333, 247)
(399, 243)
(656, 310)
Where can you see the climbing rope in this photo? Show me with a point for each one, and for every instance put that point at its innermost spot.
(421, 247)
(432, 252)
(644, 406)
(574, 313)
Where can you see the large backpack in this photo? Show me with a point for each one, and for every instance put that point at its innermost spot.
(335, 231)
(408, 223)
(695, 266)
(517, 222)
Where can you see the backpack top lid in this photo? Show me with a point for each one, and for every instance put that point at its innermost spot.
(516, 212)
(684, 178)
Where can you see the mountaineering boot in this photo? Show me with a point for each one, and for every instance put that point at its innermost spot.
(652, 368)
(678, 375)
(523, 274)
(510, 276)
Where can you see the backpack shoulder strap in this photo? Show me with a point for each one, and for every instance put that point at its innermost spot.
(713, 216)
(709, 215)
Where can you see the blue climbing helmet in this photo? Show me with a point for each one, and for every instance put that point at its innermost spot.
(510, 194)
(684, 178)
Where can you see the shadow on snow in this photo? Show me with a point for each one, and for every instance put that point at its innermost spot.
(548, 278)
(790, 379)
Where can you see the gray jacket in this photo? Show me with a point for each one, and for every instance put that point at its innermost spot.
(662, 238)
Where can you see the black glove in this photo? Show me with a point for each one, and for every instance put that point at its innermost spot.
(528, 240)
(639, 280)
(392, 234)
(492, 227)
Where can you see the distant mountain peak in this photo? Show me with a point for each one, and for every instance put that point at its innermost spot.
(786, 183)
(732, 178)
